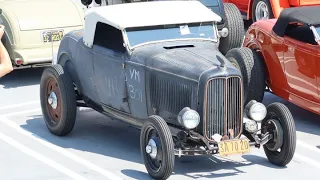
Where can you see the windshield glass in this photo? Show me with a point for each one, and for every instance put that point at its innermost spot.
(209, 2)
(318, 30)
(141, 35)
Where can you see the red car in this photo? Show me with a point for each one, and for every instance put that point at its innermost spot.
(268, 9)
(285, 56)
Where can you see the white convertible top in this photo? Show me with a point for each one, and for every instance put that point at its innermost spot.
(142, 14)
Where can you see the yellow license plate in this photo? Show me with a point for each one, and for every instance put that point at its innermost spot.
(231, 147)
(52, 36)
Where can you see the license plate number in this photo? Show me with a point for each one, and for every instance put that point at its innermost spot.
(231, 147)
(52, 36)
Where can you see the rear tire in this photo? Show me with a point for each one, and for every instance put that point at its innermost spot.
(159, 165)
(256, 8)
(279, 113)
(58, 100)
(234, 24)
(252, 70)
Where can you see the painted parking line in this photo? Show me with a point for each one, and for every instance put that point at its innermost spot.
(307, 160)
(40, 157)
(307, 146)
(83, 109)
(101, 170)
(22, 112)
(18, 105)
(60, 150)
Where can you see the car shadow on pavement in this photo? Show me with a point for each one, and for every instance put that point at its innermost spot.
(21, 77)
(306, 121)
(208, 167)
(95, 133)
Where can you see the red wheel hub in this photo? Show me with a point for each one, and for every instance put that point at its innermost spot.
(54, 99)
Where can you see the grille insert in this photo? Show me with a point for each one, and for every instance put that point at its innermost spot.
(223, 107)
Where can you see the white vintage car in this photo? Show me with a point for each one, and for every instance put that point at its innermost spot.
(34, 28)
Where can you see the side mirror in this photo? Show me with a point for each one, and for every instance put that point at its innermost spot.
(224, 32)
(86, 2)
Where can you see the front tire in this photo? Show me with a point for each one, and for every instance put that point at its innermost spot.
(234, 24)
(58, 100)
(280, 123)
(157, 148)
(252, 70)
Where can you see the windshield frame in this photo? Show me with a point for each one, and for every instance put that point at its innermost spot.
(131, 48)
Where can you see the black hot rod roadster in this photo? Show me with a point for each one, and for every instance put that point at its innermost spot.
(162, 75)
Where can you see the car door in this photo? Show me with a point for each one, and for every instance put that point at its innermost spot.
(300, 62)
(109, 59)
(109, 75)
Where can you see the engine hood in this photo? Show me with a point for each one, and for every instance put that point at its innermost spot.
(188, 62)
(40, 14)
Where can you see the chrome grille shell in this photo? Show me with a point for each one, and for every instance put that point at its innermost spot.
(223, 107)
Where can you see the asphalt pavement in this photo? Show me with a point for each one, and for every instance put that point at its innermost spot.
(100, 148)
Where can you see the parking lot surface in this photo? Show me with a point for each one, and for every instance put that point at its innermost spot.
(100, 148)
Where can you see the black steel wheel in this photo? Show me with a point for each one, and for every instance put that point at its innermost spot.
(234, 24)
(280, 123)
(156, 145)
(252, 69)
(58, 100)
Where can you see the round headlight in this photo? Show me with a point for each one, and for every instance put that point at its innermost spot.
(189, 118)
(257, 111)
(251, 126)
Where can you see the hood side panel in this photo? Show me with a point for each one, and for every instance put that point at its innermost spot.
(169, 94)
